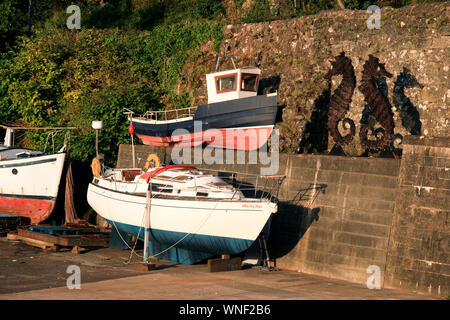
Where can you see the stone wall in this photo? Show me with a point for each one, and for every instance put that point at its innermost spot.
(418, 256)
(347, 226)
(294, 55)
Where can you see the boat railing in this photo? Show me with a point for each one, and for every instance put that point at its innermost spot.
(259, 187)
(251, 185)
(10, 130)
(172, 114)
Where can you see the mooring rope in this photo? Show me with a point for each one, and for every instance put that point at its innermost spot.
(184, 237)
(171, 246)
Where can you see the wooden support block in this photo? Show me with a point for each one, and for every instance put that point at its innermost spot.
(145, 266)
(77, 250)
(218, 265)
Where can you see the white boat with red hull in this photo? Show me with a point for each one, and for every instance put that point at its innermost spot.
(29, 180)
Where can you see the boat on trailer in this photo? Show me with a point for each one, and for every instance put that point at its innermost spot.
(29, 180)
(235, 117)
(186, 214)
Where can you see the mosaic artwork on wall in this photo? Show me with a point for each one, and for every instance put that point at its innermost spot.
(377, 121)
(341, 99)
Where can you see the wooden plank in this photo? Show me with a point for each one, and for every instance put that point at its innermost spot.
(32, 242)
(218, 265)
(37, 236)
(101, 239)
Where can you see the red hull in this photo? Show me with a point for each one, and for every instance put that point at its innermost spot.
(241, 139)
(36, 209)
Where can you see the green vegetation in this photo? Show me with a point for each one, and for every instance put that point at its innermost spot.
(128, 54)
(61, 77)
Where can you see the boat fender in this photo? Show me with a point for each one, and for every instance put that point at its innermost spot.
(96, 167)
(152, 158)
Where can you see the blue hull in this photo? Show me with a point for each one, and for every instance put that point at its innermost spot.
(192, 249)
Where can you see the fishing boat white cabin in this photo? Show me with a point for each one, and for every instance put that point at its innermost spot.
(190, 216)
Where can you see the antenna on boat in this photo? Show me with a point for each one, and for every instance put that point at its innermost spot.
(131, 131)
(223, 55)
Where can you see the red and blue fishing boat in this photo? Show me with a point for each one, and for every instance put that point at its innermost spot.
(235, 117)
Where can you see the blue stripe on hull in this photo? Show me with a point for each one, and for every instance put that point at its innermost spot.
(192, 249)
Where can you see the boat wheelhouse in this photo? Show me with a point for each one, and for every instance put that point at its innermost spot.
(235, 117)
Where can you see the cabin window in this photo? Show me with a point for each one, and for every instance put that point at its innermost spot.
(161, 188)
(226, 83)
(249, 82)
(202, 194)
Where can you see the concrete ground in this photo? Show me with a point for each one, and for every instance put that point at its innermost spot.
(31, 273)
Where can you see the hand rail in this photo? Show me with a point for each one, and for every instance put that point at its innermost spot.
(155, 114)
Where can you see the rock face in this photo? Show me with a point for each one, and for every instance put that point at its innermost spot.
(413, 43)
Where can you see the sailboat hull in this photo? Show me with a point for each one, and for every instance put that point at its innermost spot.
(184, 230)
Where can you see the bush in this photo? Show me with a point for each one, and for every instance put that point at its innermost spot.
(70, 78)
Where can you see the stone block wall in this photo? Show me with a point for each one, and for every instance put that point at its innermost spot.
(418, 256)
(345, 229)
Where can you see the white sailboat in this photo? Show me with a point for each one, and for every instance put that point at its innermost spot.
(185, 213)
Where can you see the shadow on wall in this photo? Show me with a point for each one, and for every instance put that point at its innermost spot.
(407, 111)
(269, 85)
(292, 221)
(315, 135)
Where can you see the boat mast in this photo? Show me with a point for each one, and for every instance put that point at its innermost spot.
(147, 222)
(223, 55)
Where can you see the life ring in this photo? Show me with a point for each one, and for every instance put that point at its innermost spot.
(96, 167)
(152, 158)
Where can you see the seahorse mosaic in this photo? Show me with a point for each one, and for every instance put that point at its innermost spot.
(341, 98)
(378, 104)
